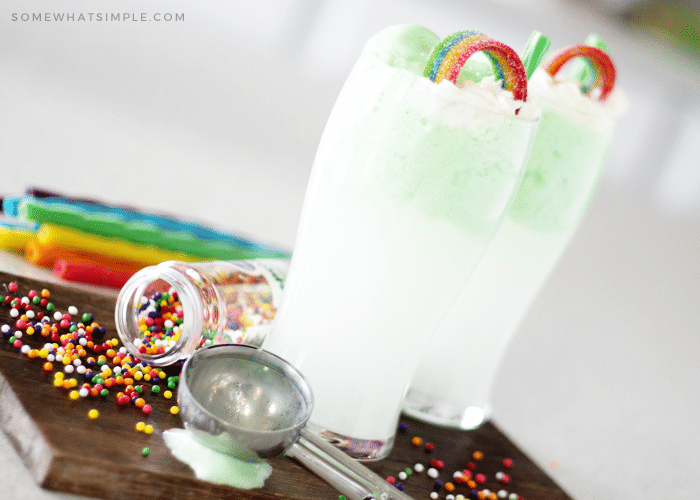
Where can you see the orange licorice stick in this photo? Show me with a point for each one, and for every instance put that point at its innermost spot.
(46, 255)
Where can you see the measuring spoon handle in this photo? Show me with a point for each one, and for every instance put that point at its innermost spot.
(347, 475)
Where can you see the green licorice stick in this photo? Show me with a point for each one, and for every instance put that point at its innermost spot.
(581, 71)
(535, 49)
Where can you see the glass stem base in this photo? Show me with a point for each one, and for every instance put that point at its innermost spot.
(360, 449)
(427, 408)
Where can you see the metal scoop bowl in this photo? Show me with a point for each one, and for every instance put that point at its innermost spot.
(253, 405)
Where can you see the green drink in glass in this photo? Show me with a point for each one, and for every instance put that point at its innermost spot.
(410, 183)
(452, 383)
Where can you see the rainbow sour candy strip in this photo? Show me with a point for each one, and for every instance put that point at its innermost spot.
(602, 67)
(452, 53)
(443, 55)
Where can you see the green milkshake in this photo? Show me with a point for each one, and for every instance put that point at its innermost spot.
(410, 182)
(451, 385)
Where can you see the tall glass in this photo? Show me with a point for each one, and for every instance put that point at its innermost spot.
(408, 187)
(452, 383)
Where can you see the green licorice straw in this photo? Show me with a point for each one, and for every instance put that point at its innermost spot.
(535, 49)
(581, 71)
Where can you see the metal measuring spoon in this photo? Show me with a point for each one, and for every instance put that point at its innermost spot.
(251, 404)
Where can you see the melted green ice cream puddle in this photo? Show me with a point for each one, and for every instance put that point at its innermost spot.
(213, 466)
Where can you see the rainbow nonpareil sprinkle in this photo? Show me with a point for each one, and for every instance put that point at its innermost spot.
(69, 346)
(452, 53)
(602, 67)
(463, 483)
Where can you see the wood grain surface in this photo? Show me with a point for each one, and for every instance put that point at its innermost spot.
(66, 451)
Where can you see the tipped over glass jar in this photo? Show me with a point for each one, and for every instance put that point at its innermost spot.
(166, 312)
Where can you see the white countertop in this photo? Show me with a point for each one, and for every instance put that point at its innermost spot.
(602, 380)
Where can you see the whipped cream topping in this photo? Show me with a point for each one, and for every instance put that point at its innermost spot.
(566, 92)
(472, 104)
(409, 46)
(489, 94)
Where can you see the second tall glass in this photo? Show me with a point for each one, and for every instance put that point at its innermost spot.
(411, 180)
(451, 386)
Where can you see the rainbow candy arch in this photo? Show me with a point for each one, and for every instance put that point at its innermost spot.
(452, 53)
(603, 69)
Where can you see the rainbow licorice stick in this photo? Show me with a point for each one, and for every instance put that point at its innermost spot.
(452, 53)
(603, 69)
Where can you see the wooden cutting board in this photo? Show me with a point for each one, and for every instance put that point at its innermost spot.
(66, 451)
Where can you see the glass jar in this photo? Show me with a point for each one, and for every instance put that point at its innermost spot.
(165, 312)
